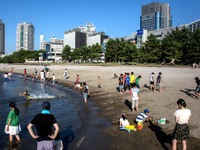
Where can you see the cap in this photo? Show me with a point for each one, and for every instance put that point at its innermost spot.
(46, 105)
(146, 111)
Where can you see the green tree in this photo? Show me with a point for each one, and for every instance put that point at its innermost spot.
(96, 52)
(66, 53)
(152, 51)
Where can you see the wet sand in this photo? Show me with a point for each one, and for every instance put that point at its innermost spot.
(178, 83)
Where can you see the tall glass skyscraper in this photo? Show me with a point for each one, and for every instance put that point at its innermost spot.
(155, 16)
(25, 37)
(2, 37)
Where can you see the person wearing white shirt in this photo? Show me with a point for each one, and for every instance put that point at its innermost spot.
(181, 129)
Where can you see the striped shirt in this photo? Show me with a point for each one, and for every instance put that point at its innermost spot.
(140, 117)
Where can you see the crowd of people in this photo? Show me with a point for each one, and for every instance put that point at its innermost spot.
(127, 83)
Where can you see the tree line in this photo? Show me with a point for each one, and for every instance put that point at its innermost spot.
(182, 45)
(21, 56)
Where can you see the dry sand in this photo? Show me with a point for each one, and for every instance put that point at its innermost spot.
(178, 83)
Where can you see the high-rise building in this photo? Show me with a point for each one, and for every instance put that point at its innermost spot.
(2, 37)
(155, 16)
(75, 38)
(25, 37)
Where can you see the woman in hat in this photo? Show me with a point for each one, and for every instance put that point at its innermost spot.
(181, 129)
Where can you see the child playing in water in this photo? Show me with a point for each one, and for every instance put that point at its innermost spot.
(12, 123)
(25, 93)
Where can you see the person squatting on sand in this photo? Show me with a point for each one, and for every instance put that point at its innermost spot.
(44, 122)
(77, 81)
(143, 116)
(181, 129)
(12, 123)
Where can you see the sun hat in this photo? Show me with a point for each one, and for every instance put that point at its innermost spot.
(146, 111)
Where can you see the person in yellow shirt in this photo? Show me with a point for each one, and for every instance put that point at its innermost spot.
(132, 78)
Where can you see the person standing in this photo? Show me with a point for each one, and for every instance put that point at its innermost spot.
(127, 82)
(99, 82)
(134, 97)
(42, 76)
(137, 81)
(197, 90)
(121, 84)
(132, 78)
(158, 82)
(151, 80)
(65, 73)
(44, 122)
(54, 78)
(12, 122)
(85, 91)
(181, 129)
(25, 73)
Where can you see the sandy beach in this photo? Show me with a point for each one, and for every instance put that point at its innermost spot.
(178, 83)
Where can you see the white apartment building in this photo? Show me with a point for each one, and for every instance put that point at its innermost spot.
(96, 38)
(53, 49)
(25, 37)
(74, 38)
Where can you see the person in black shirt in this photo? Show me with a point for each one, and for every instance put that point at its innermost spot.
(158, 82)
(44, 122)
(197, 90)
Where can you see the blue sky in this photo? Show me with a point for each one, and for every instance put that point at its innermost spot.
(118, 18)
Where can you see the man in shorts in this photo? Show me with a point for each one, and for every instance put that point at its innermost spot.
(44, 122)
(151, 80)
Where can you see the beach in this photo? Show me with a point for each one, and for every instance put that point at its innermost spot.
(178, 83)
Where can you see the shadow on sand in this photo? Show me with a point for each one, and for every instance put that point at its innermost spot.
(128, 104)
(162, 137)
(189, 92)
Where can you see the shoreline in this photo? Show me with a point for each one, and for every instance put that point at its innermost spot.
(111, 104)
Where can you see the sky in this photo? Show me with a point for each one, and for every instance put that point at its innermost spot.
(117, 18)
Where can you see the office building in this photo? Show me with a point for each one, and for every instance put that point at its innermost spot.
(2, 38)
(95, 38)
(75, 38)
(155, 16)
(53, 49)
(25, 37)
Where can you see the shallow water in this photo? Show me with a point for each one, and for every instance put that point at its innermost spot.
(66, 106)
